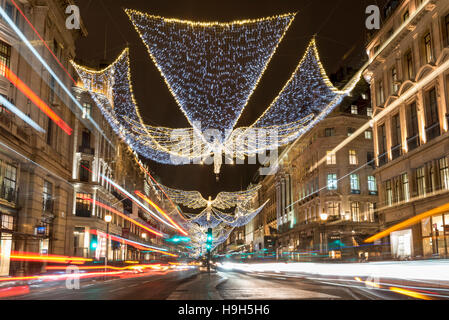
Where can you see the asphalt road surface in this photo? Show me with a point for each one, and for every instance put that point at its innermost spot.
(193, 285)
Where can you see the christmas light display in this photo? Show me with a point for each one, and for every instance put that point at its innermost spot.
(223, 201)
(212, 217)
(211, 68)
(306, 99)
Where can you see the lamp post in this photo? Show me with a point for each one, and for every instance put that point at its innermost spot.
(108, 219)
(323, 216)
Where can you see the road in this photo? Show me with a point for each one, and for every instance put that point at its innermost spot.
(223, 285)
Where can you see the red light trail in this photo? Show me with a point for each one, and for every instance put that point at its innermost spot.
(158, 209)
(124, 216)
(35, 99)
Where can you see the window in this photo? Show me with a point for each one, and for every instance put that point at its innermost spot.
(47, 197)
(7, 222)
(446, 28)
(333, 209)
(388, 193)
(84, 170)
(369, 112)
(354, 109)
(420, 181)
(405, 16)
(355, 211)
(8, 187)
(409, 65)
(382, 137)
(372, 185)
(329, 132)
(355, 183)
(369, 212)
(380, 93)
(49, 131)
(432, 120)
(444, 173)
(368, 134)
(428, 48)
(9, 9)
(370, 159)
(83, 205)
(353, 157)
(85, 140)
(331, 158)
(350, 131)
(5, 57)
(396, 136)
(405, 187)
(332, 182)
(87, 110)
(394, 80)
(412, 127)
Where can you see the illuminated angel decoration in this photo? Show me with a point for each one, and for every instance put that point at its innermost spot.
(212, 70)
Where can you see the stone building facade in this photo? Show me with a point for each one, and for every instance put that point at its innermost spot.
(409, 89)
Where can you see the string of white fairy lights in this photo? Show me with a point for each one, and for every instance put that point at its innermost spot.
(186, 54)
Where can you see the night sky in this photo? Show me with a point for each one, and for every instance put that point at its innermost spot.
(339, 26)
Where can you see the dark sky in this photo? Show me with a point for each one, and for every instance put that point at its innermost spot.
(340, 29)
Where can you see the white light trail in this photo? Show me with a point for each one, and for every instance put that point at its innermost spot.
(20, 114)
(5, 16)
(129, 195)
(407, 270)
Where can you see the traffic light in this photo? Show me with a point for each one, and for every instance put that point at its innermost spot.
(93, 242)
(209, 239)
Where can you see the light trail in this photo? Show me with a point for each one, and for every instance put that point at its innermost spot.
(410, 270)
(160, 187)
(14, 79)
(5, 103)
(158, 209)
(13, 26)
(410, 293)
(27, 256)
(409, 222)
(138, 245)
(42, 40)
(131, 197)
(124, 216)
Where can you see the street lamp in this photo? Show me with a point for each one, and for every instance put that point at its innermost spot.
(108, 219)
(323, 216)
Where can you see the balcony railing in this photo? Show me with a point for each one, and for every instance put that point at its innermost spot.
(8, 194)
(413, 142)
(86, 150)
(383, 160)
(433, 131)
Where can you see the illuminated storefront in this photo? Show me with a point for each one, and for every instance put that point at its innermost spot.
(435, 235)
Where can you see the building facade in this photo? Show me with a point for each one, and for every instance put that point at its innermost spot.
(409, 89)
(326, 201)
(46, 177)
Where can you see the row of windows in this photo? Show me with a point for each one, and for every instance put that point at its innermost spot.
(427, 179)
(358, 212)
(426, 48)
(331, 158)
(330, 132)
(432, 128)
(332, 183)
